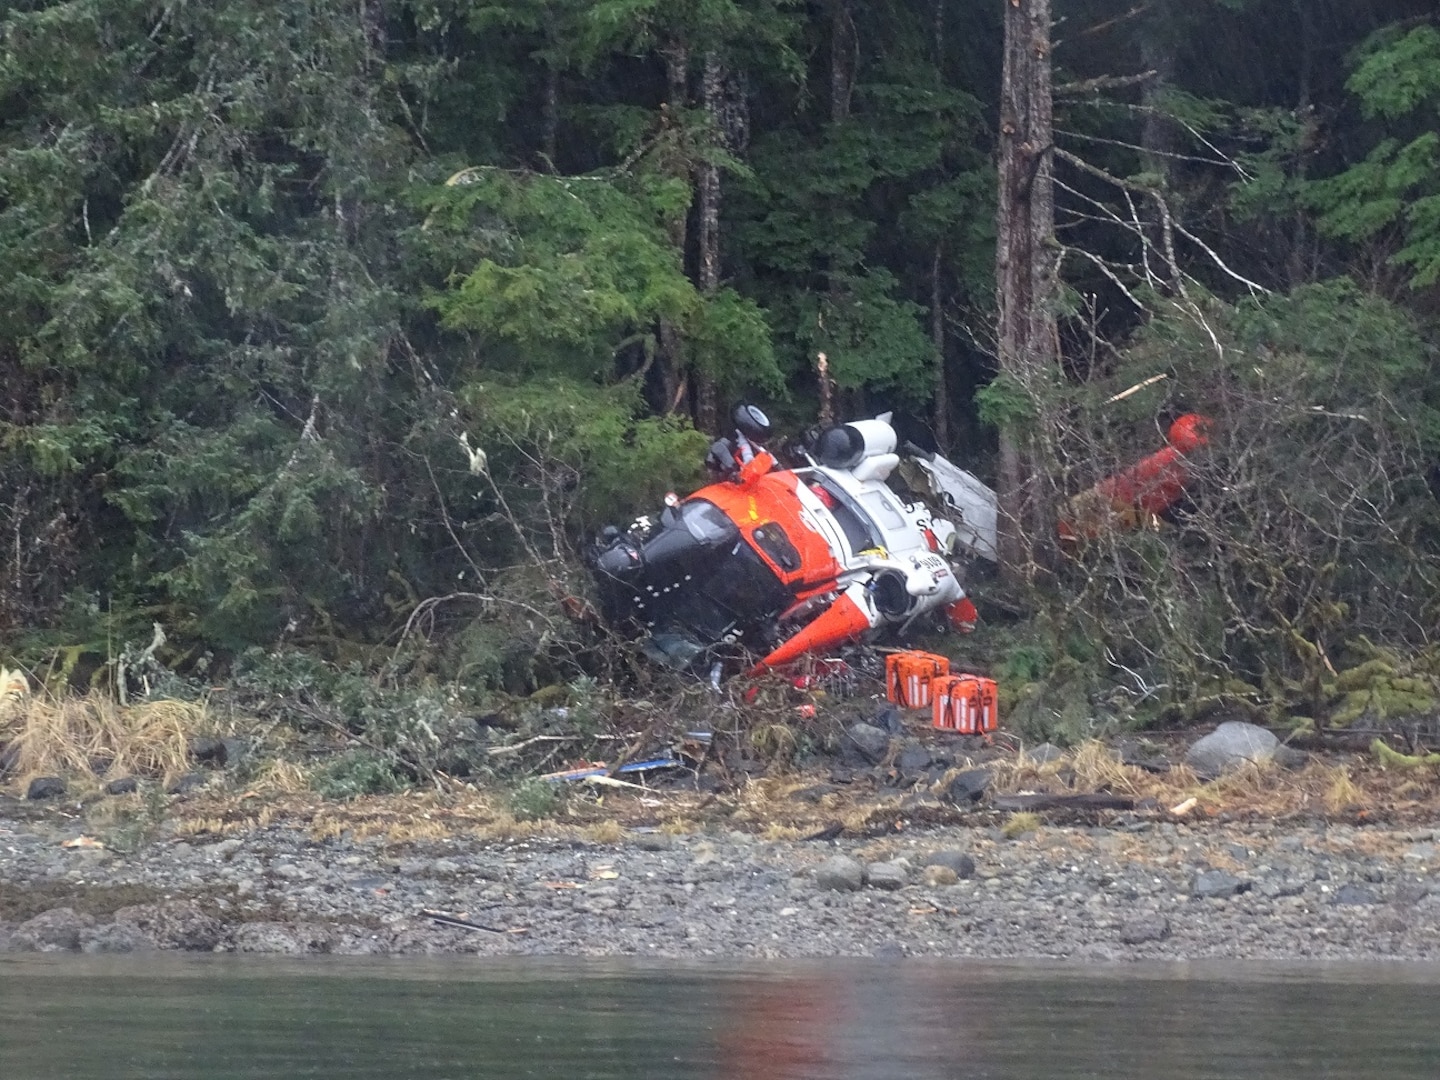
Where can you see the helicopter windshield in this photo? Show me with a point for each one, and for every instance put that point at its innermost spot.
(704, 521)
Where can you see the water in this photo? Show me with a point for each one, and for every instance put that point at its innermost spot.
(217, 1018)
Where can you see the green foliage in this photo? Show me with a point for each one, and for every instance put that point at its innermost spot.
(355, 773)
(822, 213)
(533, 799)
(578, 262)
(1059, 708)
(1395, 190)
(1346, 350)
(871, 337)
(1398, 73)
(571, 269)
(1004, 404)
(578, 447)
(410, 730)
(1026, 663)
(173, 285)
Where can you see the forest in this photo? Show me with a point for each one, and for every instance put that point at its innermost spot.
(330, 331)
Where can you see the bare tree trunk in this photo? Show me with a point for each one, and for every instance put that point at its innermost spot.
(937, 338)
(1027, 345)
(1158, 34)
(671, 358)
(842, 60)
(372, 22)
(1157, 54)
(842, 78)
(706, 407)
(1298, 259)
(550, 116)
(348, 209)
(941, 404)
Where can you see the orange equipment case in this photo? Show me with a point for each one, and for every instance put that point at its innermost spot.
(908, 676)
(964, 704)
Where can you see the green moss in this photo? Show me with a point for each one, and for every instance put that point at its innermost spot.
(1383, 687)
(1360, 677)
(1391, 758)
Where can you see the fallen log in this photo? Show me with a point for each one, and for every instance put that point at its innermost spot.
(1087, 801)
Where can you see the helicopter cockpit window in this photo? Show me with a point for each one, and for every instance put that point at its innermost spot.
(858, 532)
(882, 510)
(705, 522)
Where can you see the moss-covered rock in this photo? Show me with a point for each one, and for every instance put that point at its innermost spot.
(1384, 686)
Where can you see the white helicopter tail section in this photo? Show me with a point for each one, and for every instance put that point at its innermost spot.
(974, 505)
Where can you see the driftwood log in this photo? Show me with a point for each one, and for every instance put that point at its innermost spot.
(1089, 801)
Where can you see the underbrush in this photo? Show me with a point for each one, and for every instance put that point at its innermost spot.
(94, 736)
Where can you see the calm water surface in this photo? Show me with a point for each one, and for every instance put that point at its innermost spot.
(223, 1017)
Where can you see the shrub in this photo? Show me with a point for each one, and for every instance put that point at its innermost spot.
(355, 773)
(532, 799)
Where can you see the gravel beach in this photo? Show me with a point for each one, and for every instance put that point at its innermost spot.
(1127, 890)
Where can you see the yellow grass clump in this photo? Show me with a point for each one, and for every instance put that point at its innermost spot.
(608, 831)
(1018, 824)
(93, 735)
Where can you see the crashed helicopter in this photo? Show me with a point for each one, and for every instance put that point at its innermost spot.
(771, 563)
(775, 562)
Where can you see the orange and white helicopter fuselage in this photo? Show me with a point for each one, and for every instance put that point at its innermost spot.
(781, 563)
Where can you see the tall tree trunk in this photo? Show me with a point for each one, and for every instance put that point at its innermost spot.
(706, 407)
(550, 116)
(372, 21)
(1298, 259)
(842, 79)
(1027, 346)
(1158, 36)
(671, 351)
(937, 339)
(842, 60)
(1157, 54)
(941, 404)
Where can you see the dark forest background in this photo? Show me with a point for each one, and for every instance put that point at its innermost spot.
(340, 325)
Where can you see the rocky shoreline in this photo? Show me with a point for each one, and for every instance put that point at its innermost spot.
(1127, 889)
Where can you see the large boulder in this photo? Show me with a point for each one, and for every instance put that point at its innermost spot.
(298, 939)
(887, 875)
(1217, 884)
(968, 786)
(839, 874)
(958, 861)
(872, 742)
(1229, 746)
(114, 938)
(173, 924)
(58, 929)
(45, 787)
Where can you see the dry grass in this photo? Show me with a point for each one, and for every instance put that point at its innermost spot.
(608, 831)
(90, 735)
(325, 827)
(204, 826)
(776, 831)
(1342, 792)
(1019, 824)
(1263, 789)
(281, 777)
